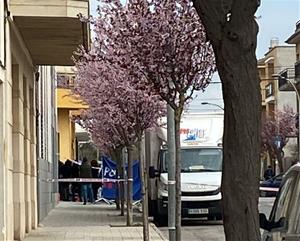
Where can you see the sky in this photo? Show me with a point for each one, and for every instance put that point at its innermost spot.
(276, 19)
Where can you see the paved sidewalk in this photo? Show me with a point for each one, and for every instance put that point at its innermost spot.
(76, 222)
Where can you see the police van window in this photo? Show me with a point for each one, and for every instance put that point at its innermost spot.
(284, 198)
(294, 210)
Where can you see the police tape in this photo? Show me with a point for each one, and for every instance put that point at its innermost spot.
(100, 180)
(110, 180)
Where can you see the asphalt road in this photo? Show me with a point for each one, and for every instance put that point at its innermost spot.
(212, 230)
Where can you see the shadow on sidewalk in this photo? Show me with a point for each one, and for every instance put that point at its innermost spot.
(75, 214)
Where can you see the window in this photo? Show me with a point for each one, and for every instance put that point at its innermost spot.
(65, 80)
(197, 160)
(283, 199)
(269, 90)
(294, 210)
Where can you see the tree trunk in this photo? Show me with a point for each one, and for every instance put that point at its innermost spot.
(232, 29)
(118, 184)
(116, 154)
(122, 193)
(144, 178)
(178, 174)
(129, 186)
(171, 173)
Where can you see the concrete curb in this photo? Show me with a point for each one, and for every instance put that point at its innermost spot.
(152, 225)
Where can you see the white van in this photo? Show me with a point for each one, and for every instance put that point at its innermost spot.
(201, 160)
(200, 183)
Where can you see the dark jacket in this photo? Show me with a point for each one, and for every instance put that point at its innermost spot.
(95, 173)
(85, 170)
(269, 173)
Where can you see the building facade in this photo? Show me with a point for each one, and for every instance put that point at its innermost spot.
(277, 59)
(34, 35)
(295, 40)
(293, 75)
(46, 136)
(68, 106)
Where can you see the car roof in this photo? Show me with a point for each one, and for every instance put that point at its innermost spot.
(294, 168)
(291, 171)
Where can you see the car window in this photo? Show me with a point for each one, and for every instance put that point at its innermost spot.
(294, 210)
(283, 199)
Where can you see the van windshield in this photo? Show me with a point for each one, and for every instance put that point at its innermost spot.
(196, 160)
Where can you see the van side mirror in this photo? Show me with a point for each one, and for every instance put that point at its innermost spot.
(153, 173)
(270, 226)
(263, 222)
(281, 225)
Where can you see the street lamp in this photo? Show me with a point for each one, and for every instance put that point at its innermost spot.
(207, 103)
(298, 100)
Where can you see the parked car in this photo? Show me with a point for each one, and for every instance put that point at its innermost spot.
(284, 220)
(272, 183)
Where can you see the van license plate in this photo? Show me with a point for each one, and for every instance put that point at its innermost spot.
(198, 211)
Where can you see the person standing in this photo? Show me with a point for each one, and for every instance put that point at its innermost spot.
(76, 185)
(86, 187)
(269, 173)
(61, 185)
(66, 172)
(95, 174)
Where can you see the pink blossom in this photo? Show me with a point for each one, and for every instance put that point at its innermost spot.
(281, 125)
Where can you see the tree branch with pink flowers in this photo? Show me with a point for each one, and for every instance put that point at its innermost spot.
(119, 113)
(160, 47)
(276, 131)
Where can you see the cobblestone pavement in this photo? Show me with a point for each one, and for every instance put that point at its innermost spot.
(75, 222)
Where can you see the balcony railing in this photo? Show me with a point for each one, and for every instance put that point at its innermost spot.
(282, 80)
(297, 71)
(284, 77)
(65, 80)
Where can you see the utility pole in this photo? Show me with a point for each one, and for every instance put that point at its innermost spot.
(171, 173)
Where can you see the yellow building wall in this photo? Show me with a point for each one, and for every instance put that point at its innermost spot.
(66, 135)
(67, 104)
(65, 99)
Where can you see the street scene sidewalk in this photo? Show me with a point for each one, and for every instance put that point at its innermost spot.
(71, 221)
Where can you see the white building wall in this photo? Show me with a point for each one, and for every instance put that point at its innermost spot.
(18, 136)
(285, 59)
(2, 128)
(288, 98)
(16, 80)
(47, 142)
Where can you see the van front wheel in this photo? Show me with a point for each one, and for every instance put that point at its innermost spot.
(160, 221)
